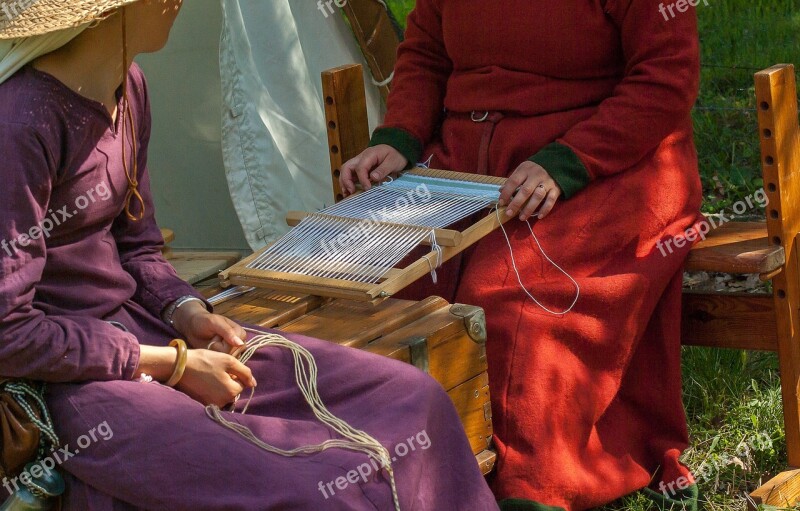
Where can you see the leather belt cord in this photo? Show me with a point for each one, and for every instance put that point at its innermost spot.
(490, 119)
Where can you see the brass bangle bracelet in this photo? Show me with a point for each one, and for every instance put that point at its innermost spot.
(180, 362)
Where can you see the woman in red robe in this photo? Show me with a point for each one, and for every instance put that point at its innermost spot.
(585, 106)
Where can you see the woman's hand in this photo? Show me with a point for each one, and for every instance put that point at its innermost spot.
(534, 187)
(214, 378)
(203, 330)
(371, 166)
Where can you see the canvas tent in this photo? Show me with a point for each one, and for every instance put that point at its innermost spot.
(239, 136)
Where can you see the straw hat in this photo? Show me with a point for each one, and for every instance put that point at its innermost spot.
(25, 18)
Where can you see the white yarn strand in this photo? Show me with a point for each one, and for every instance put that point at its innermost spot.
(305, 369)
(362, 238)
(519, 278)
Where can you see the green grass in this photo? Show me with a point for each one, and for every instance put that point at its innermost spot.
(730, 396)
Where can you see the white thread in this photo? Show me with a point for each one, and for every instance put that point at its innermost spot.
(519, 278)
(426, 164)
(305, 368)
(362, 238)
(383, 83)
(435, 247)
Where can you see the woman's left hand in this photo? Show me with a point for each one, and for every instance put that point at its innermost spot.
(204, 330)
(534, 188)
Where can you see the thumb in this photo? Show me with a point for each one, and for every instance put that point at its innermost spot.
(230, 332)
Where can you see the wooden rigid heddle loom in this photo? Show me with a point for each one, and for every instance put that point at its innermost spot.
(351, 249)
(332, 276)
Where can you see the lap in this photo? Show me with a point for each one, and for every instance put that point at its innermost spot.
(129, 436)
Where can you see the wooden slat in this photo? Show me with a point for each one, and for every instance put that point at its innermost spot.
(471, 399)
(474, 233)
(776, 99)
(346, 117)
(355, 324)
(194, 267)
(305, 285)
(729, 320)
(736, 247)
(452, 356)
(269, 309)
(782, 491)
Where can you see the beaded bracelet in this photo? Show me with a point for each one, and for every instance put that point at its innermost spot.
(180, 362)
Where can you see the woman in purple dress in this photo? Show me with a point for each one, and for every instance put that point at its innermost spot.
(88, 305)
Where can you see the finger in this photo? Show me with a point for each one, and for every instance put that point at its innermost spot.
(238, 329)
(383, 170)
(366, 164)
(538, 195)
(512, 184)
(216, 344)
(522, 197)
(241, 372)
(346, 178)
(224, 328)
(549, 203)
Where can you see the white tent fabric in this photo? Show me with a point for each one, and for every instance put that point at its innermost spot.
(274, 134)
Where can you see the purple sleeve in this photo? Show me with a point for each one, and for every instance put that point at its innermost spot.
(140, 242)
(33, 345)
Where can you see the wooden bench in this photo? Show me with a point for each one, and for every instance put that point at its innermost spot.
(769, 249)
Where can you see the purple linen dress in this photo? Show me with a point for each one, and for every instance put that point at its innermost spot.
(71, 261)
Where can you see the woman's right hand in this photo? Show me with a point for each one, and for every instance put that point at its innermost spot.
(214, 378)
(371, 166)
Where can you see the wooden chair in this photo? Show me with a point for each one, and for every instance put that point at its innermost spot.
(762, 322)
(734, 321)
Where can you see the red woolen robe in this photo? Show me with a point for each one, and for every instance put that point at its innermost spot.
(587, 406)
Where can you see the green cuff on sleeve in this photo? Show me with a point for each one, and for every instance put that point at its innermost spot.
(564, 167)
(405, 143)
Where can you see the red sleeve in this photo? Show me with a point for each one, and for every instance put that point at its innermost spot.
(656, 95)
(416, 102)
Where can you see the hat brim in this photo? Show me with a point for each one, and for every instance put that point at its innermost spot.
(26, 18)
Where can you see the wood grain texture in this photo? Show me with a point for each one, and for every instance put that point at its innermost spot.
(782, 491)
(355, 324)
(471, 399)
(729, 320)
(346, 118)
(776, 99)
(737, 247)
(266, 308)
(194, 267)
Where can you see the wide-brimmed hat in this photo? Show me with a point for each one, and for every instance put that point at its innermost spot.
(25, 18)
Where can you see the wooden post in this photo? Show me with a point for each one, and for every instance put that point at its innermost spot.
(776, 96)
(346, 116)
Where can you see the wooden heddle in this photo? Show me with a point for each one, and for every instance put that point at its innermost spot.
(354, 248)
